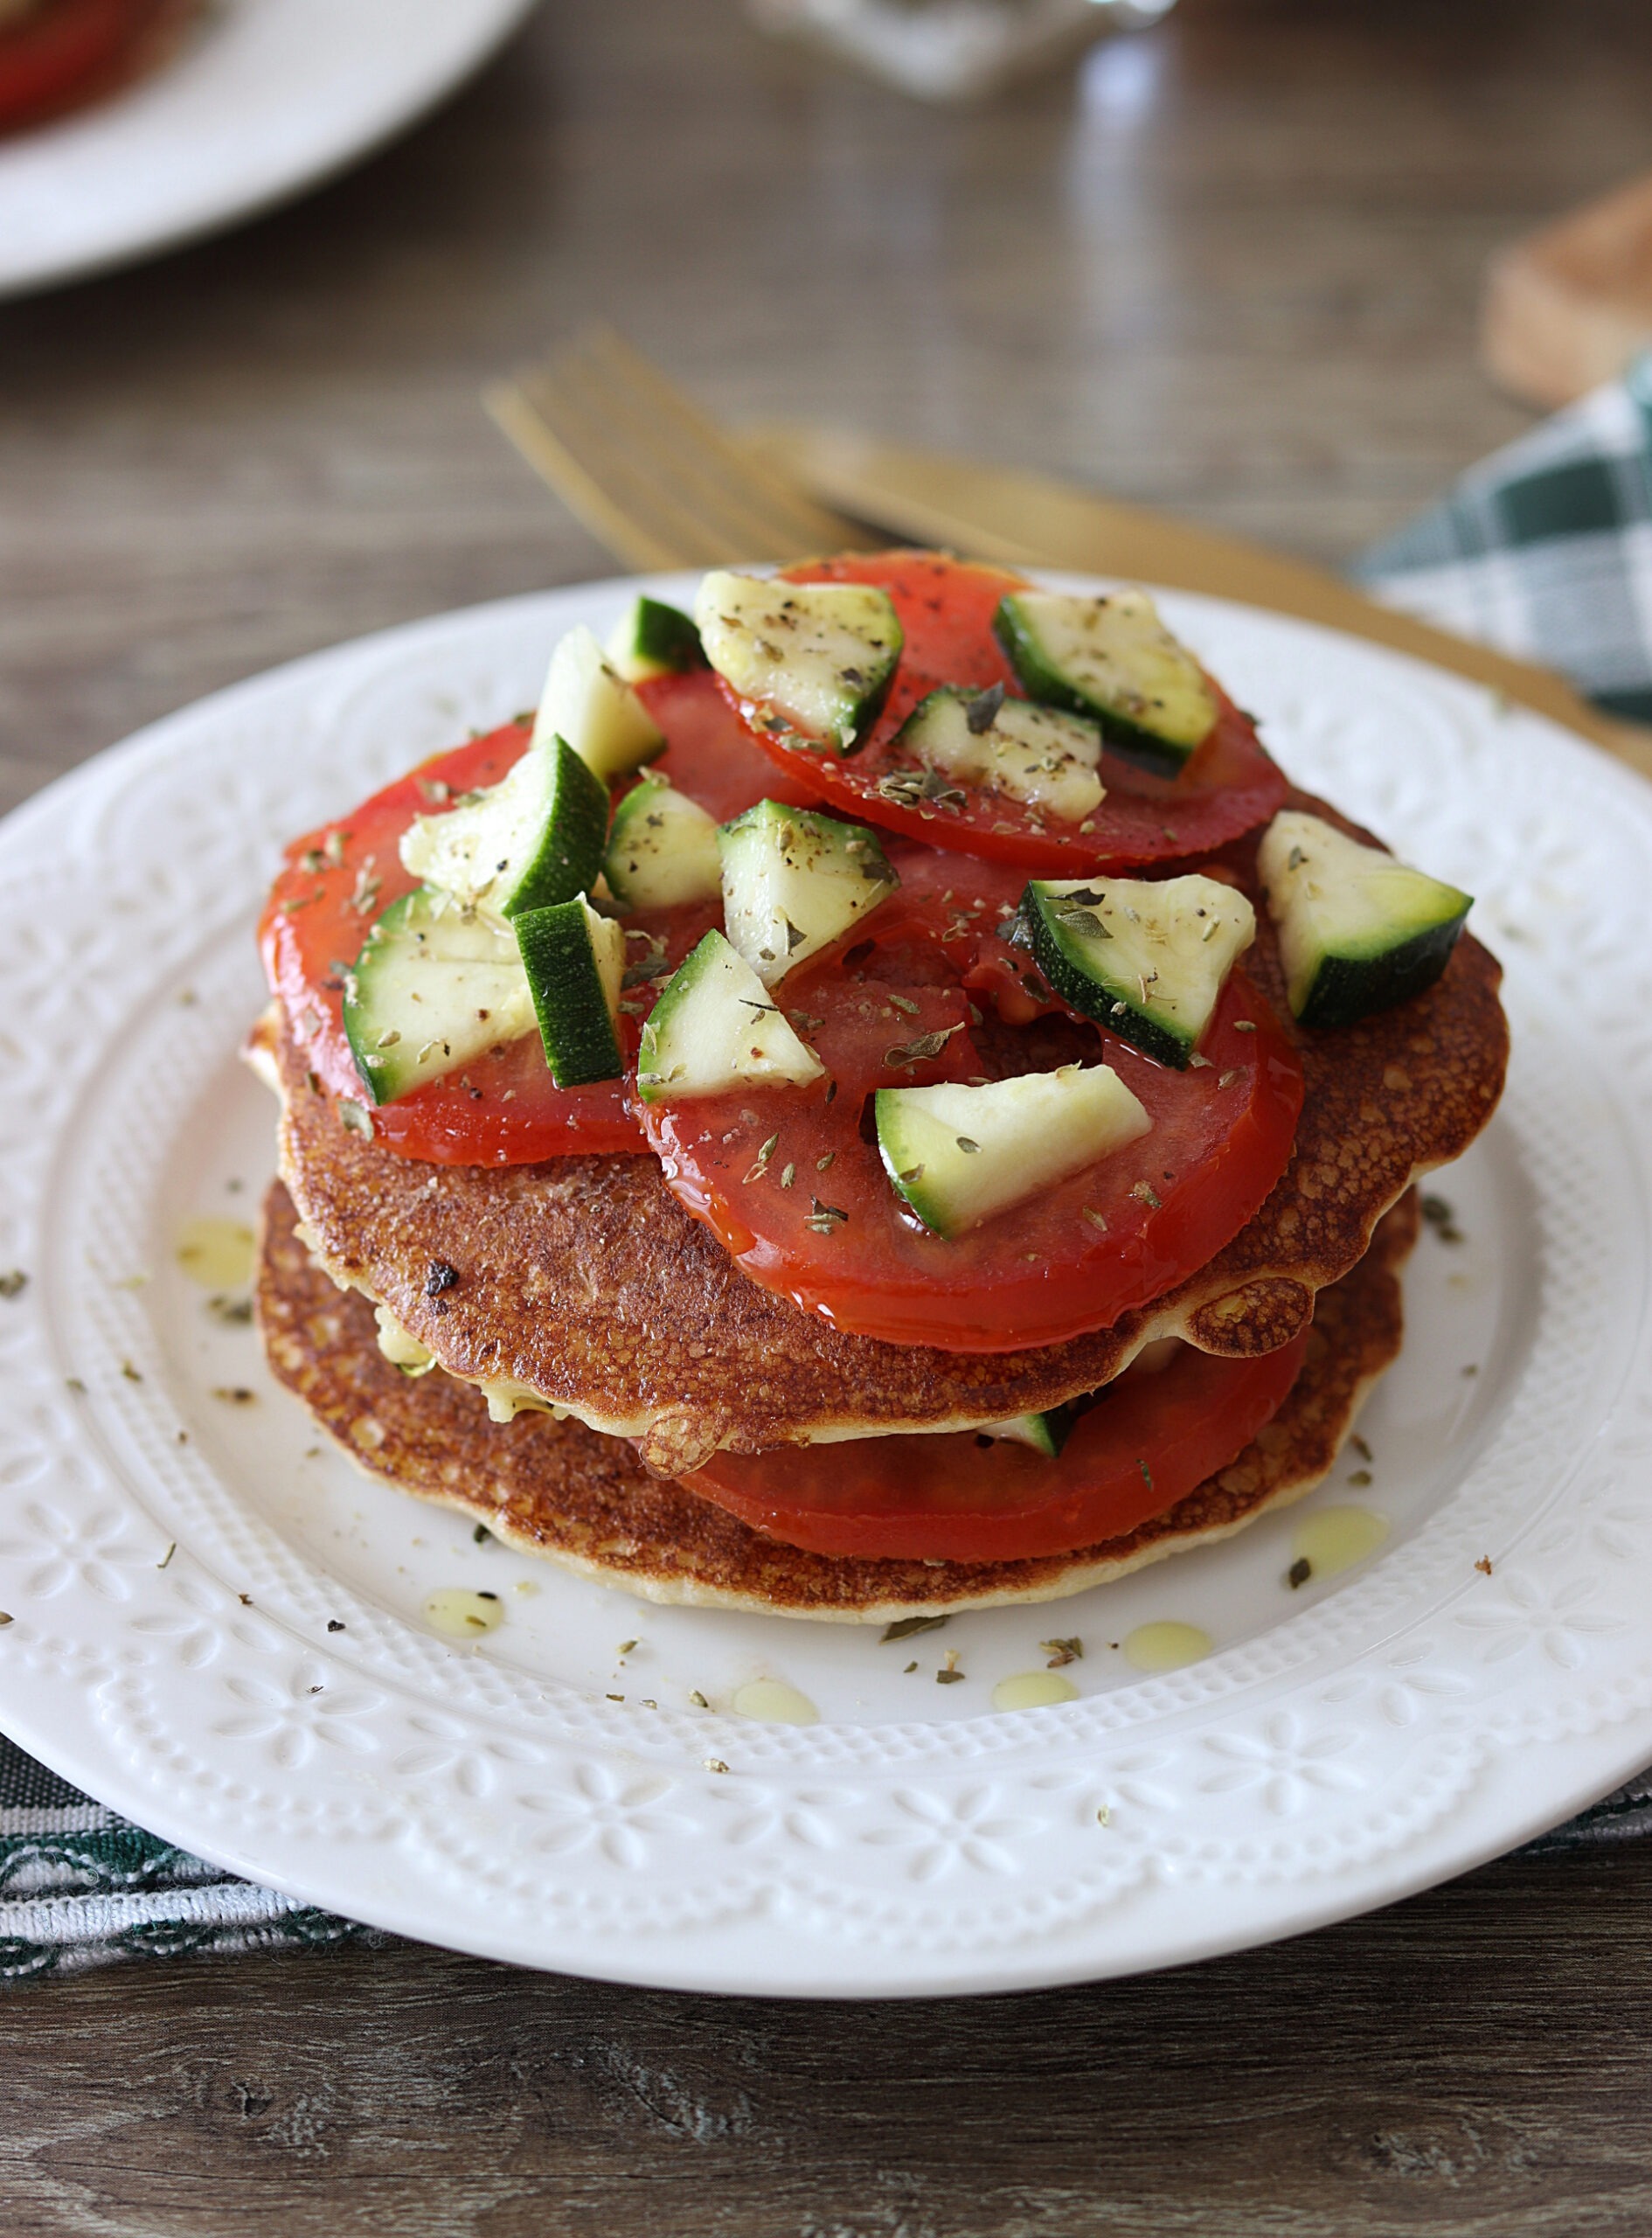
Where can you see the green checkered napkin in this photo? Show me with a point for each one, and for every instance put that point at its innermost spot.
(79, 1886)
(1543, 550)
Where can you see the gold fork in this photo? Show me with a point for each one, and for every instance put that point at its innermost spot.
(662, 486)
(648, 474)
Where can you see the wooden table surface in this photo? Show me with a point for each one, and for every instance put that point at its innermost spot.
(1230, 269)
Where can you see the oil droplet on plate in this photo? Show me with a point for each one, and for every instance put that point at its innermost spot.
(773, 1702)
(1033, 1690)
(1166, 1646)
(1337, 1537)
(459, 1613)
(217, 1253)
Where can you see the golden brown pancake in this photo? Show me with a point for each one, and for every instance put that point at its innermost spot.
(561, 1490)
(584, 1279)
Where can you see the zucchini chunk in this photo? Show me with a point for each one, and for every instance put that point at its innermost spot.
(793, 882)
(1111, 658)
(534, 839)
(1045, 1434)
(1148, 958)
(435, 984)
(661, 849)
(959, 1155)
(1358, 931)
(586, 702)
(714, 1028)
(653, 639)
(821, 656)
(574, 962)
(1039, 755)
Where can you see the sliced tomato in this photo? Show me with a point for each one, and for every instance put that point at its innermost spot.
(62, 49)
(1147, 1441)
(710, 754)
(790, 1180)
(946, 609)
(504, 1110)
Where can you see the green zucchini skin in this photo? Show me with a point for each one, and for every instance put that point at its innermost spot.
(1359, 931)
(817, 658)
(1046, 1434)
(653, 639)
(569, 854)
(714, 1028)
(572, 959)
(534, 839)
(1165, 753)
(793, 882)
(959, 1155)
(1346, 988)
(1103, 978)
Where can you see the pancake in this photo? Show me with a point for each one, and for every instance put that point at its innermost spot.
(558, 1490)
(583, 1280)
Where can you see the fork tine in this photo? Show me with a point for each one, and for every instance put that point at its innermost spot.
(515, 413)
(646, 471)
(648, 466)
(602, 476)
(759, 491)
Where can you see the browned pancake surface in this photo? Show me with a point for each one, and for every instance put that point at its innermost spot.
(559, 1490)
(584, 1279)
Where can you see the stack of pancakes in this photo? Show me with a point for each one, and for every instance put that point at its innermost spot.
(581, 1285)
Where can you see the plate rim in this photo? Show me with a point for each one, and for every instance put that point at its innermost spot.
(1597, 1760)
(199, 214)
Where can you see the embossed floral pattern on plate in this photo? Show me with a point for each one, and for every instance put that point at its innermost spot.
(215, 1639)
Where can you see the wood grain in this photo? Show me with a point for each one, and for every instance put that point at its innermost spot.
(1478, 2060)
(1232, 272)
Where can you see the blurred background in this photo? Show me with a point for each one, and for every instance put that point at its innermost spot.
(1229, 264)
(1284, 268)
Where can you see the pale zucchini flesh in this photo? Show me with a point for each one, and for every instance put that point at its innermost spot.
(574, 962)
(793, 882)
(1358, 930)
(817, 658)
(435, 986)
(534, 839)
(715, 1028)
(959, 1155)
(1111, 658)
(662, 849)
(586, 702)
(1044, 757)
(1148, 958)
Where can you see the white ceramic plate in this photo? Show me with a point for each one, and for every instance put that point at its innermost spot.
(265, 98)
(1343, 1744)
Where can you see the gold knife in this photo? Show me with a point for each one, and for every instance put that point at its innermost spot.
(991, 513)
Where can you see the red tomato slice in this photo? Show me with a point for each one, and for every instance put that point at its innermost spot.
(1148, 1440)
(946, 611)
(710, 754)
(504, 1110)
(811, 1213)
(62, 49)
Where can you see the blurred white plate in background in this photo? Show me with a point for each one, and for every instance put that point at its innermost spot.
(267, 98)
